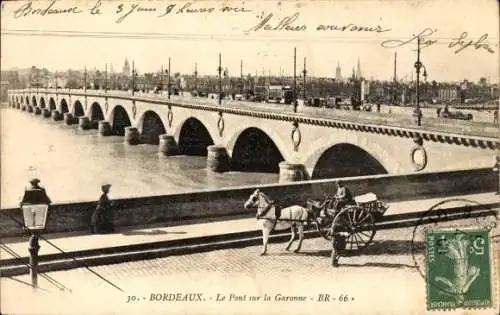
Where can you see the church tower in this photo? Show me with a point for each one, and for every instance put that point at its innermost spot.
(126, 68)
(338, 73)
(359, 74)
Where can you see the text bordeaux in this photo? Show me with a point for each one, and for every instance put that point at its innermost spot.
(28, 9)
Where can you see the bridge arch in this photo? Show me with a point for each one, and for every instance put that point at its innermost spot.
(78, 109)
(27, 100)
(96, 113)
(17, 99)
(346, 160)
(194, 137)
(64, 106)
(150, 126)
(33, 101)
(42, 102)
(119, 119)
(255, 151)
(52, 104)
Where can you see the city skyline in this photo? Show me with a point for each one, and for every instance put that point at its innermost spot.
(67, 44)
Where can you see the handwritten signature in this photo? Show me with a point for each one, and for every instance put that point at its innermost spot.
(460, 43)
(290, 23)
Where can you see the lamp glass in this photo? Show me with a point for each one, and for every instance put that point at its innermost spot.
(35, 216)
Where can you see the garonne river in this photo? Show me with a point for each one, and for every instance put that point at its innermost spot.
(72, 164)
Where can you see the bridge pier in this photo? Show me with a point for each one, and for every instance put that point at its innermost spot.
(291, 172)
(69, 119)
(83, 123)
(46, 113)
(217, 158)
(104, 128)
(56, 115)
(132, 136)
(168, 146)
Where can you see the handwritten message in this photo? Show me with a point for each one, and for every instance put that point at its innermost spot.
(264, 22)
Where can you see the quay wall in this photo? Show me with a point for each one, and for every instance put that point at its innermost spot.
(218, 204)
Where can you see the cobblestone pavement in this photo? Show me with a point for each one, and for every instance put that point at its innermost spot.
(384, 279)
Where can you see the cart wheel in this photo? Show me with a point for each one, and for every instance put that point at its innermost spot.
(324, 228)
(357, 224)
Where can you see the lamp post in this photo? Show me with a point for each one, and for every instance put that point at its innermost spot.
(295, 79)
(106, 78)
(133, 77)
(304, 72)
(196, 78)
(169, 90)
(34, 206)
(419, 65)
(57, 94)
(219, 69)
(85, 80)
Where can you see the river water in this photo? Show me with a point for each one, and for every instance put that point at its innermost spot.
(73, 164)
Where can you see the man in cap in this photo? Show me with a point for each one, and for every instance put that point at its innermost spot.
(101, 221)
(342, 197)
(35, 194)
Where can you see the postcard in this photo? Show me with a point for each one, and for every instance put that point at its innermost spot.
(249, 157)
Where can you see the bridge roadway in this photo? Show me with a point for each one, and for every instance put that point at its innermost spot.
(313, 143)
(441, 125)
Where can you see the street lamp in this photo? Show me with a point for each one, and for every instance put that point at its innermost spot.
(418, 66)
(106, 78)
(35, 206)
(169, 78)
(196, 78)
(304, 73)
(85, 80)
(134, 73)
(295, 79)
(219, 69)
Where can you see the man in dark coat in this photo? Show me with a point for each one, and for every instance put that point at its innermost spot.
(101, 221)
(35, 194)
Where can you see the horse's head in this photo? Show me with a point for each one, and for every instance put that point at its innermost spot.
(253, 200)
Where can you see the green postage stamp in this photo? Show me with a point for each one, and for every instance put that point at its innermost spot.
(459, 271)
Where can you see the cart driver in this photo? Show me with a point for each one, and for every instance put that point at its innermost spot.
(342, 197)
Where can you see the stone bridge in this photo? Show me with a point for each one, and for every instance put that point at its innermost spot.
(240, 136)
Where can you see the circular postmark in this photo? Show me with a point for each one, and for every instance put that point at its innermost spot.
(445, 242)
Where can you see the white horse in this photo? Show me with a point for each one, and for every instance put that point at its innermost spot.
(291, 217)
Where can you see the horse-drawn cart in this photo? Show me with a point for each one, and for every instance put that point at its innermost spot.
(350, 228)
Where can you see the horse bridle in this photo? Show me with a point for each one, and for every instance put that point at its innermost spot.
(270, 204)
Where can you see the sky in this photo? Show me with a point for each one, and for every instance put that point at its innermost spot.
(75, 40)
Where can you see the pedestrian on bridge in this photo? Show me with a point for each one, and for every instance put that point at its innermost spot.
(102, 218)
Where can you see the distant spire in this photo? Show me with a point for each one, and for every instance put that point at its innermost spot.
(338, 72)
(359, 75)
